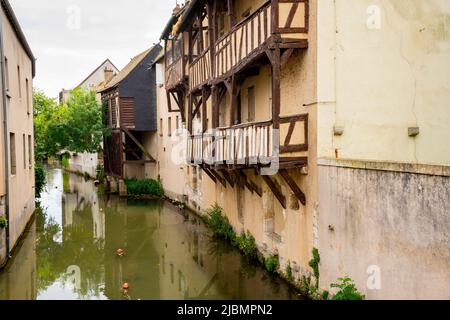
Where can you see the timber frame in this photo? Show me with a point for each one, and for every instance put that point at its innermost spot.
(207, 62)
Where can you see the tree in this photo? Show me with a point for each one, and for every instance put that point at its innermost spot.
(76, 126)
(45, 114)
(84, 122)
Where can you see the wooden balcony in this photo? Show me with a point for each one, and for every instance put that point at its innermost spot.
(200, 71)
(176, 61)
(282, 21)
(175, 73)
(252, 144)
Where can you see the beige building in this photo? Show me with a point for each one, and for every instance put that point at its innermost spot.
(348, 99)
(16, 137)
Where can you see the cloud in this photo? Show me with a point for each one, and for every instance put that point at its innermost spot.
(69, 44)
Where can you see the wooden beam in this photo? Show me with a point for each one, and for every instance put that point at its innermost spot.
(205, 96)
(228, 177)
(136, 141)
(219, 178)
(276, 98)
(209, 174)
(277, 192)
(285, 56)
(293, 185)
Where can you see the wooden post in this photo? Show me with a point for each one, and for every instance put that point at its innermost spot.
(231, 17)
(204, 109)
(190, 114)
(276, 98)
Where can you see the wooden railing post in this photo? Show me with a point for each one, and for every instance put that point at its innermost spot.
(275, 16)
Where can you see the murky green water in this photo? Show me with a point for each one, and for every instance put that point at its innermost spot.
(69, 252)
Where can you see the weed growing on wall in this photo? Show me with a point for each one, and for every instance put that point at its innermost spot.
(272, 264)
(314, 264)
(220, 224)
(3, 222)
(289, 274)
(347, 290)
(247, 244)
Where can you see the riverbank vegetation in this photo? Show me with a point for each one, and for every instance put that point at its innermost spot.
(145, 187)
(220, 225)
(40, 179)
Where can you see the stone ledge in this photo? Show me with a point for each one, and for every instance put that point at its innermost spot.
(423, 169)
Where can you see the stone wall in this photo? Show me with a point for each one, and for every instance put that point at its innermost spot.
(388, 230)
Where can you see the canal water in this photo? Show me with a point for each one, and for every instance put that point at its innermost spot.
(69, 252)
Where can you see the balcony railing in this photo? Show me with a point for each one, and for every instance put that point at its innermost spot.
(250, 144)
(287, 19)
(175, 73)
(200, 70)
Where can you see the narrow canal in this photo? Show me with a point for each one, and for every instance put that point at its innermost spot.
(69, 252)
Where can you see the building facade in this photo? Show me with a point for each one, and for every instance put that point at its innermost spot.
(317, 124)
(17, 191)
(130, 104)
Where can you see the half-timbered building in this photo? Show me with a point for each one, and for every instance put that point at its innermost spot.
(227, 65)
(130, 112)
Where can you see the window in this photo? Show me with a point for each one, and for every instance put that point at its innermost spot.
(24, 151)
(161, 129)
(7, 73)
(30, 152)
(169, 126)
(251, 104)
(19, 81)
(28, 95)
(12, 153)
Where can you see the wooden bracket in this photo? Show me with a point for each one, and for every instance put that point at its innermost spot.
(219, 178)
(251, 186)
(228, 177)
(285, 56)
(293, 185)
(136, 141)
(209, 174)
(277, 192)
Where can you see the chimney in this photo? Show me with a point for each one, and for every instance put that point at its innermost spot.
(109, 74)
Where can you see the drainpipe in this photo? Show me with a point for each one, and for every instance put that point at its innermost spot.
(5, 133)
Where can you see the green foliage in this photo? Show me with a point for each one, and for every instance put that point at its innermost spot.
(87, 176)
(247, 244)
(314, 264)
(347, 290)
(145, 187)
(307, 289)
(3, 222)
(100, 173)
(325, 295)
(76, 126)
(84, 122)
(40, 179)
(65, 161)
(45, 125)
(289, 274)
(272, 264)
(220, 224)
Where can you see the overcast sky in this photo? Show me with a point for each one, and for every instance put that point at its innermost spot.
(70, 38)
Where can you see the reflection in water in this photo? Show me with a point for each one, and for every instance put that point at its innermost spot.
(70, 250)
